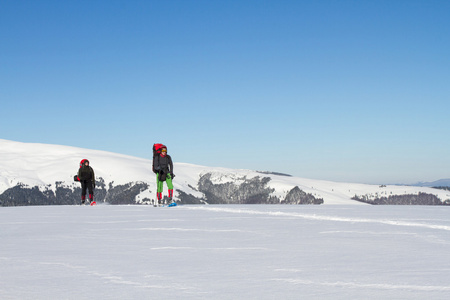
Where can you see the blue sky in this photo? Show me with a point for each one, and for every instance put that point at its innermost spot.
(353, 91)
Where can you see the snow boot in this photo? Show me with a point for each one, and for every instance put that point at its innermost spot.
(170, 196)
(91, 199)
(159, 196)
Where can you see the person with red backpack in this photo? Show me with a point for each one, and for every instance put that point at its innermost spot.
(87, 179)
(163, 168)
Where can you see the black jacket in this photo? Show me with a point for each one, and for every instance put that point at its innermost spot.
(163, 164)
(86, 173)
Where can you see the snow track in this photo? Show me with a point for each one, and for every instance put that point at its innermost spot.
(321, 217)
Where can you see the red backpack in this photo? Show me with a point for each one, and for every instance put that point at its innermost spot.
(157, 149)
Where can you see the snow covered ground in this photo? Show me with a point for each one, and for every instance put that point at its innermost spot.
(225, 252)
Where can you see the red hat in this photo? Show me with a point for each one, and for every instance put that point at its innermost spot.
(83, 161)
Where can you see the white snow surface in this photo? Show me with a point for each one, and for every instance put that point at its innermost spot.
(44, 165)
(225, 252)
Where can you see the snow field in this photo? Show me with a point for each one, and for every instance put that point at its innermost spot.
(225, 252)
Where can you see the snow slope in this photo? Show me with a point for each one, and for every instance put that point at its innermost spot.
(43, 165)
(225, 252)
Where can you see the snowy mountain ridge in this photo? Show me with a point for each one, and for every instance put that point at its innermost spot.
(33, 174)
(439, 183)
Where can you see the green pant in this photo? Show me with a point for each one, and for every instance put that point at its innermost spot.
(160, 184)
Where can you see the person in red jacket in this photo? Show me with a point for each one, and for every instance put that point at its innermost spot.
(87, 178)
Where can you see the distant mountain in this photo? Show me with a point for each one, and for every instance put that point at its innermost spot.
(437, 183)
(41, 174)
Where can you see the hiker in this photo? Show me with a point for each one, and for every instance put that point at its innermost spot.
(163, 168)
(87, 178)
